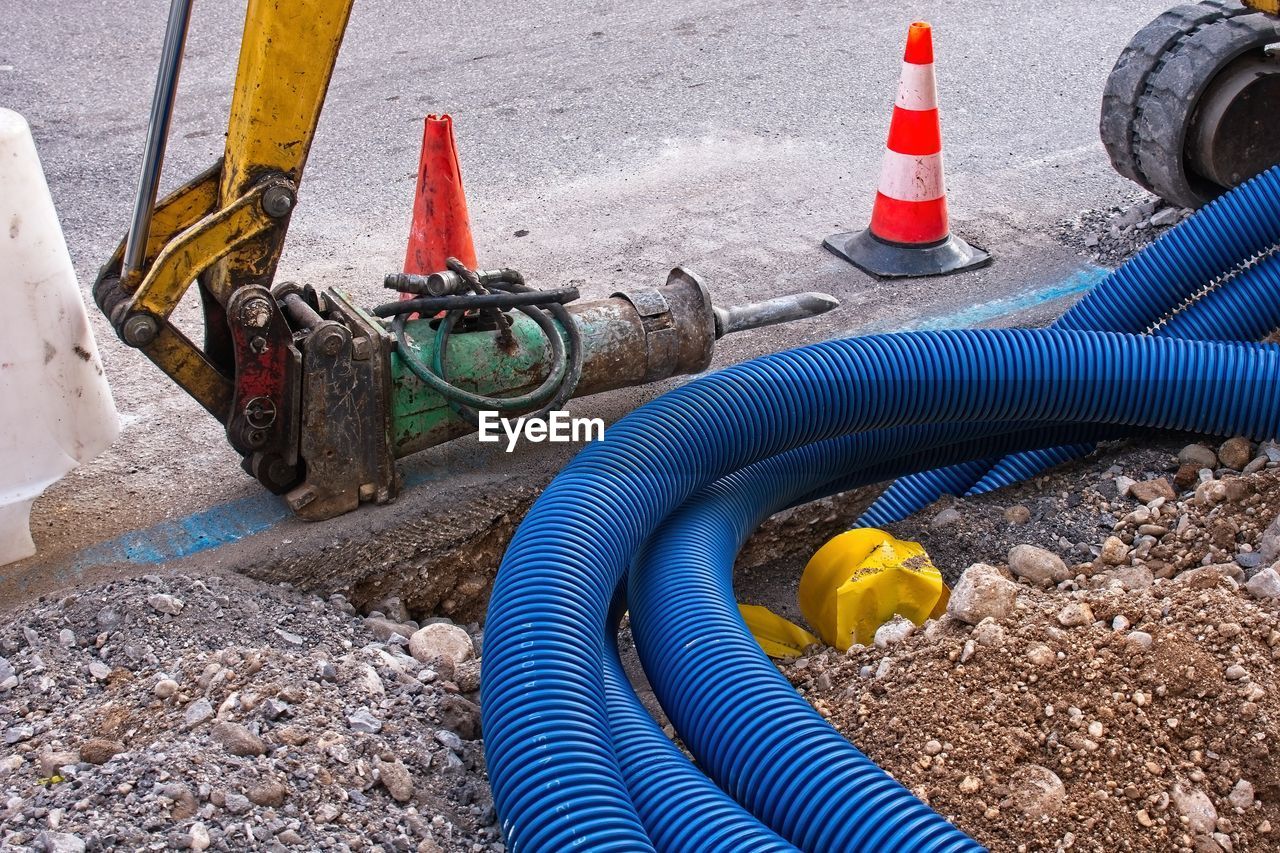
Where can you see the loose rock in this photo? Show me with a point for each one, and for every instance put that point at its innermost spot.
(1235, 453)
(1198, 455)
(1017, 514)
(167, 604)
(944, 519)
(396, 779)
(198, 712)
(1265, 584)
(1036, 791)
(1114, 552)
(363, 720)
(385, 629)
(60, 842)
(236, 739)
(1037, 565)
(1241, 796)
(100, 750)
(214, 731)
(1196, 807)
(982, 592)
(441, 641)
(1075, 615)
(894, 631)
(270, 793)
(199, 838)
(1150, 490)
(52, 762)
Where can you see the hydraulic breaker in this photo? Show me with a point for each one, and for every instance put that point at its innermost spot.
(357, 406)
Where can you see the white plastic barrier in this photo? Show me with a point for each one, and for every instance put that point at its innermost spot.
(55, 406)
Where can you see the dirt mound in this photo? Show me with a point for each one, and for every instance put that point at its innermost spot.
(1129, 707)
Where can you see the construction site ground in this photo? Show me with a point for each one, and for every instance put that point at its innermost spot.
(185, 666)
(1129, 707)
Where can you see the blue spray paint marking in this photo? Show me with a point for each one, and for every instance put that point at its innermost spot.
(171, 540)
(201, 531)
(967, 318)
(233, 521)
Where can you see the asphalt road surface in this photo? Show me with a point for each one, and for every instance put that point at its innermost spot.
(622, 137)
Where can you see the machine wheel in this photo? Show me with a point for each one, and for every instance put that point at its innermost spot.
(1185, 112)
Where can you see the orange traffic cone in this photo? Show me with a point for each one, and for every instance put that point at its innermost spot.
(441, 228)
(909, 233)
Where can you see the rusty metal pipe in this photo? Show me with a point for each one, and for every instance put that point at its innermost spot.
(302, 314)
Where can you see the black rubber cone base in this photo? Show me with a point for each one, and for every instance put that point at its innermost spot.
(883, 259)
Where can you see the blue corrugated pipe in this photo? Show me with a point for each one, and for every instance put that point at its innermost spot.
(1244, 308)
(551, 749)
(656, 772)
(1216, 240)
(702, 659)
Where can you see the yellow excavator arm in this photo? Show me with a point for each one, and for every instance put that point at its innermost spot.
(226, 228)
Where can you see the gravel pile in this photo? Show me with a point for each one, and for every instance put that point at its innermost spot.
(218, 713)
(1125, 701)
(1110, 236)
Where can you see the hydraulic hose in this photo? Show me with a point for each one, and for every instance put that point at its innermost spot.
(553, 762)
(1232, 230)
(540, 306)
(435, 379)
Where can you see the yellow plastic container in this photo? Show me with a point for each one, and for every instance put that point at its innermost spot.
(860, 579)
(779, 637)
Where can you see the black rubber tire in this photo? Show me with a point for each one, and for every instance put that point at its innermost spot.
(1131, 77)
(1167, 109)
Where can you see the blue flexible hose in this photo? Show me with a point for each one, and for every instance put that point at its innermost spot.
(1218, 238)
(658, 774)
(1026, 464)
(554, 768)
(1244, 308)
(682, 596)
(908, 495)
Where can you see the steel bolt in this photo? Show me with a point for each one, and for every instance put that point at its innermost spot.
(255, 313)
(280, 472)
(140, 330)
(277, 201)
(260, 412)
(330, 343)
